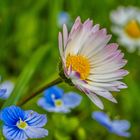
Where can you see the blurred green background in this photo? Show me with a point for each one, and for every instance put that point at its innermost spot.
(31, 26)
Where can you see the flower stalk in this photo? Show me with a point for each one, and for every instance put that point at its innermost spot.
(31, 96)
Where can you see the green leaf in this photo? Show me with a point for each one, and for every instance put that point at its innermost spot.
(81, 134)
(26, 76)
(1, 135)
(72, 122)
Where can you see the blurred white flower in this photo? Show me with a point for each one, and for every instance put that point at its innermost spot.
(9, 86)
(63, 18)
(126, 24)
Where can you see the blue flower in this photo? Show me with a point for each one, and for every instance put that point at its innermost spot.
(55, 100)
(2, 90)
(9, 86)
(118, 127)
(63, 18)
(21, 125)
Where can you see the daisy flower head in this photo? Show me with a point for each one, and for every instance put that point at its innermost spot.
(89, 63)
(21, 125)
(55, 100)
(126, 25)
(9, 86)
(119, 127)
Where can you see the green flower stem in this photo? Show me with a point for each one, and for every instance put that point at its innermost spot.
(31, 96)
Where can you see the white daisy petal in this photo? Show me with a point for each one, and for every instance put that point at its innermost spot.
(60, 45)
(65, 34)
(95, 28)
(107, 52)
(100, 39)
(110, 67)
(106, 95)
(75, 25)
(92, 87)
(116, 74)
(95, 100)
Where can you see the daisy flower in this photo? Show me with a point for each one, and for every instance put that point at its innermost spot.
(89, 63)
(126, 24)
(118, 127)
(21, 125)
(9, 86)
(55, 100)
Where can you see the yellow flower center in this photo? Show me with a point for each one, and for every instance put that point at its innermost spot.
(58, 103)
(133, 29)
(79, 64)
(21, 124)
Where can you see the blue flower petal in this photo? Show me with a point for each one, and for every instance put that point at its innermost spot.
(2, 92)
(61, 109)
(8, 85)
(71, 100)
(13, 133)
(10, 115)
(53, 92)
(13, 115)
(42, 103)
(121, 133)
(35, 119)
(102, 118)
(120, 127)
(48, 107)
(34, 132)
(63, 18)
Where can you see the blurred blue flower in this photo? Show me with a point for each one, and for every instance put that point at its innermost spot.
(2, 90)
(63, 18)
(21, 125)
(55, 100)
(118, 127)
(9, 86)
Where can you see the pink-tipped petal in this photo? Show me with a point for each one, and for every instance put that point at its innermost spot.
(95, 100)
(65, 35)
(60, 45)
(88, 24)
(75, 75)
(107, 95)
(76, 24)
(95, 28)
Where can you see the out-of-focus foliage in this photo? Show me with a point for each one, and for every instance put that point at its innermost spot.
(28, 25)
